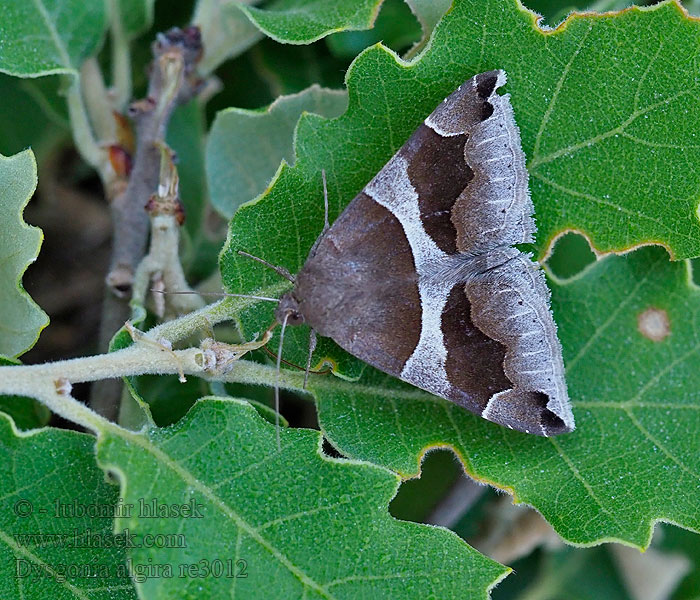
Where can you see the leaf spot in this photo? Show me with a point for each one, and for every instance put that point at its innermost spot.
(653, 323)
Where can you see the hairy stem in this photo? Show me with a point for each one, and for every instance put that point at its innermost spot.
(149, 355)
(121, 58)
(139, 359)
(97, 103)
(253, 373)
(83, 135)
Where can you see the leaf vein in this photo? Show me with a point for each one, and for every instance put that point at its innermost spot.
(584, 482)
(250, 530)
(537, 161)
(557, 89)
(53, 33)
(657, 443)
(613, 315)
(311, 511)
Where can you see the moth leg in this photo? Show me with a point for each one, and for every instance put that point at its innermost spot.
(326, 225)
(277, 380)
(312, 347)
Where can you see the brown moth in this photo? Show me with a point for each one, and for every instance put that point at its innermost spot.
(419, 277)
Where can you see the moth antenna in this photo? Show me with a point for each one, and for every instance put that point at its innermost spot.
(312, 347)
(326, 225)
(281, 271)
(277, 381)
(251, 297)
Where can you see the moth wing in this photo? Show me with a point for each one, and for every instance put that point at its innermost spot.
(510, 304)
(495, 208)
(359, 287)
(454, 195)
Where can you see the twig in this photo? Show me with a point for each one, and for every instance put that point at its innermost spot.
(458, 500)
(148, 355)
(162, 263)
(139, 359)
(172, 81)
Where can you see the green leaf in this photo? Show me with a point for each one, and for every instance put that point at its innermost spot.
(291, 523)
(27, 413)
(226, 31)
(634, 400)
(26, 124)
(304, 21)
(245, 147)
(48, 36)
(136, 16)
(395, 27)
(230, 27)
(48, 483)
(21, 320)
(428, 13)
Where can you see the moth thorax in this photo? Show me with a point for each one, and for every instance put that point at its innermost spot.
(288, 308)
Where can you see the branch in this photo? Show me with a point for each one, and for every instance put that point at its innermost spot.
(172, 81)
(51, 383)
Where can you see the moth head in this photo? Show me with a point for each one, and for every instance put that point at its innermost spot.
(288, 309)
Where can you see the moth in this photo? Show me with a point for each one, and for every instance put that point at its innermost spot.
(419, 276)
